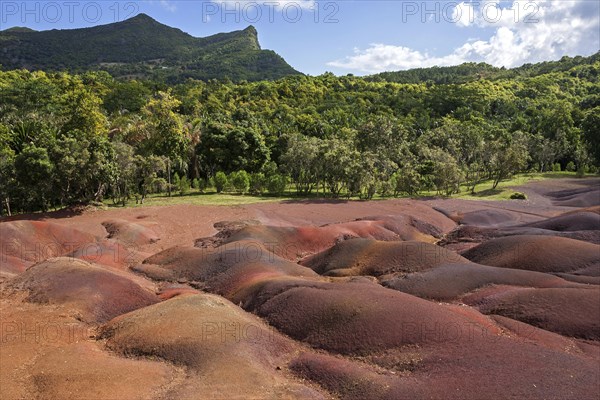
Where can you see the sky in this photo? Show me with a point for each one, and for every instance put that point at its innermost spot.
(357, 37)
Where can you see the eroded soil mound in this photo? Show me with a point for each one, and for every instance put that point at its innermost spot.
(360, 318)
(580, 221)
(376, 258)
(217, 341)
(573, 312)
(130, 233)
(451, 281)
(539, 253)
(581, 197)
(24, 243)
(94, 294)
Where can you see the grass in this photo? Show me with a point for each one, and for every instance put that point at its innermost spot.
(505, 189)
(484, 191)
(194, 197)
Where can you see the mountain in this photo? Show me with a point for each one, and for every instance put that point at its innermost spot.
(469, 72)
(143, 47)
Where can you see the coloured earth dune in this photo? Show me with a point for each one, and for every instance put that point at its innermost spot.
(394, 299)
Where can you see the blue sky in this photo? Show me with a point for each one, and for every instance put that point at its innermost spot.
(359, 37)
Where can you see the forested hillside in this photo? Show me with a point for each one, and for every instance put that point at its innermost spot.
(141, 47)
(70, 138)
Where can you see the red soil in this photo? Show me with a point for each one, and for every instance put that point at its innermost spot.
(37, 241)
(93, 293)
(129, 232)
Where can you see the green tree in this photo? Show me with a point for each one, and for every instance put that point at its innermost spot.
(7, 181)
(510, 155)
(34, 176)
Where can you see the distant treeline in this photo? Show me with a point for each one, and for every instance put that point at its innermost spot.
(66, 139)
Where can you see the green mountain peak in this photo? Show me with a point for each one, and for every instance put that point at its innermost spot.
(143, 47)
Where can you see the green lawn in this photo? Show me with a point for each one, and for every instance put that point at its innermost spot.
(484, 191)
(194, 197)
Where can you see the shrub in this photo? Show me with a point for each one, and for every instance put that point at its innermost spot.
(276, 184)
(203, 184)
(220, 181)
(571, 167)
(184, 185)
(195, 183)
(175, 181)
(258, 183)
(240, 181)
(518, 196)
(556, 167)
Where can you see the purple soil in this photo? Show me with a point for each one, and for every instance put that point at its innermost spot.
(539, 253)
(96, 294)
(488, 218)
(449, 282)
(573, 312)
(581, 221)
(581, 197)
(525, 328)
(497, 367)
(465, 235)
(352, 380)
(376, 258)
(357, 318)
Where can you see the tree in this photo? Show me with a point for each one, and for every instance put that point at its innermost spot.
(34, 176)
(123, 183)
(447, 174)
(510, 155)
(126, 97)
(590, 127)
(231, 147)
(301, 161)
(406, 180)
(7, 181)
(258, 183)
(147, 174)
(164, 129)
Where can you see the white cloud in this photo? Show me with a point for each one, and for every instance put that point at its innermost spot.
(562, 28)
(380, 57)
(463, 14)
(168, 5)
